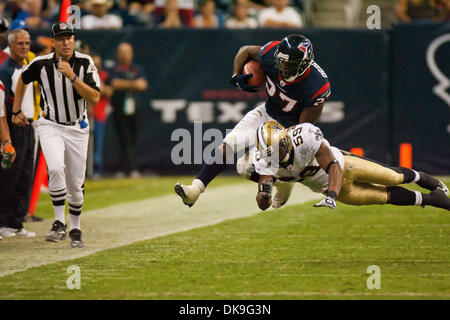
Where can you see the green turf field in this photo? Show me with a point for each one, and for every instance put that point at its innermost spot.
(298, 252)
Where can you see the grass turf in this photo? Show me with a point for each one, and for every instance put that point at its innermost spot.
(106, 192)
(294, 253)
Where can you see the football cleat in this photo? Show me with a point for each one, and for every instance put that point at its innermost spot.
(283, 193)
(75, 238)
(58, 232)
(443, 188)
(440, 200)
(189, 194)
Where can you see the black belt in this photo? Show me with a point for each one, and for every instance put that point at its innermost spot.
(66, 123)
(72, 123)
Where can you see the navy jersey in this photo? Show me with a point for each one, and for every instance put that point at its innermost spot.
(286, 100)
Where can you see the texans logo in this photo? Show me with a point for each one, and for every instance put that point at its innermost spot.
(63, 26)
(305, 47)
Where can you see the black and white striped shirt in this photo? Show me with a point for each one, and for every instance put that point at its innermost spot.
(60, 102)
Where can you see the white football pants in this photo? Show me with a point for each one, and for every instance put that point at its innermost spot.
(65, 151)
(243, 134)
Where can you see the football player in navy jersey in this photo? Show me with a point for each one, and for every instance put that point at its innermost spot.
(296, 87)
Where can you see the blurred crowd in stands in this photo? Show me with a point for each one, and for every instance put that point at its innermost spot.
(115, 14)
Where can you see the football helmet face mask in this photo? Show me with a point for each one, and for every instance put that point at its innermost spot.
(293, 56)
(273, 143)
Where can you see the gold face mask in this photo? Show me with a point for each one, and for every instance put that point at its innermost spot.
(273, 143)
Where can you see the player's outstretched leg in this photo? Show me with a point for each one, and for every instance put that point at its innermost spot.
(404, 197)
(190, 193)
(422, 179)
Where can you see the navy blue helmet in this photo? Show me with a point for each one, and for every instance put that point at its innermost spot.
(293, 56)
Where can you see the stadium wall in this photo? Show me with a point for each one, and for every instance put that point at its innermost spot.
(383, 89)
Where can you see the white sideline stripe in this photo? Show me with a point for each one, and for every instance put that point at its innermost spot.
(125, 223)
(301, 293)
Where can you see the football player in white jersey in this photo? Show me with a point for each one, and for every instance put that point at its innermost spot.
(301, 154)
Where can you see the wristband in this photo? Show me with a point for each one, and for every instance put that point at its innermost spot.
(330, 164)
(17, 112)
(72, 81)
(332, 194)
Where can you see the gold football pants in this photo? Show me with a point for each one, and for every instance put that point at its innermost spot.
(364, 181)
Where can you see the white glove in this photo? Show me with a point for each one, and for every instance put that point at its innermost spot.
(327, 202)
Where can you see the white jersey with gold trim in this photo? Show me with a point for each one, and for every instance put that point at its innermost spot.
(306, 140)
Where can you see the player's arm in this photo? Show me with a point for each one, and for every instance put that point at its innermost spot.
(89, 91)
(327, 162)
(264, 196)
(311, 114)
(139, 84)
(244, 54)
(18, 117)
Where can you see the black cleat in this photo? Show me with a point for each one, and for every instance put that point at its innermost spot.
(443, 188)
(75, 238)
(58, 232)
(439, 199)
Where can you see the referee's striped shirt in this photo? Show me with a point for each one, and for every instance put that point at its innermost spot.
(60, 102)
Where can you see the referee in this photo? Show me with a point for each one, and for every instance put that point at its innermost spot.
(68, 81)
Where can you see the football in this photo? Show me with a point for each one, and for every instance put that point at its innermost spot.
(258, 73)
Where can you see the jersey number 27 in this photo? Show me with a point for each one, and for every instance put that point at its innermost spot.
(272, 90)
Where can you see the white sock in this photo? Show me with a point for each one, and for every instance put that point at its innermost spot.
(59, 213)
(417, 176)
(199, 184)
(418, 198)
(75, 221)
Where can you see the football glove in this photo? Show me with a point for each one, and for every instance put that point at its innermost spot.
(240, 82)
(266, 189)
(327, 202)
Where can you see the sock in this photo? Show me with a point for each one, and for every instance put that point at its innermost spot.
(59, 203)
(75, 221)
(199, 184)
(409, 176)
(421, 178)
(209, 171)
(404, 197)
(75, 212)
(59, 213)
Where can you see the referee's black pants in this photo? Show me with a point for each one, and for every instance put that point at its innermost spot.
(16, 182)
(126, 126)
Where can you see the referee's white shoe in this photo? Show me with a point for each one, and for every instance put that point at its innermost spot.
(189, 194)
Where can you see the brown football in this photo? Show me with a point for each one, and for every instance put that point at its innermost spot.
(258, 73)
